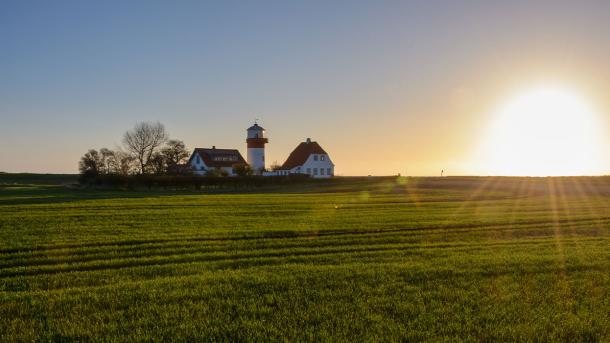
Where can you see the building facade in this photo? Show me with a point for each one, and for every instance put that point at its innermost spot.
(224, 161)
(308, 158)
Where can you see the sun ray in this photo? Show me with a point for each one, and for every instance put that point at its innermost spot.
(564, 192)
(555, 193)
(483, 187)
(585, 196)
(518, 200)
(552, 201)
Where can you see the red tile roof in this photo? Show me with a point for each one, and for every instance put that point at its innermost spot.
(217, 158)
(299, 155)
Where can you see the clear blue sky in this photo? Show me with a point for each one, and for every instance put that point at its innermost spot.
(384, 86)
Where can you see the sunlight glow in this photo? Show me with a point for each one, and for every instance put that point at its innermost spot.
(545, 131)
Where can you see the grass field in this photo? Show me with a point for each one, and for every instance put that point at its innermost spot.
(474, 259)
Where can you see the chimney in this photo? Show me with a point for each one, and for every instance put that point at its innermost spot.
(308, 140)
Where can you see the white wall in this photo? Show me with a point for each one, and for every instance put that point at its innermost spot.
(256, 158)
(198, 168)
(316, 166)
(228, 170)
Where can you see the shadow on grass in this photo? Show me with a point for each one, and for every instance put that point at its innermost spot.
(35, 193)
(423, 189)
(42, 194)
(11, 195)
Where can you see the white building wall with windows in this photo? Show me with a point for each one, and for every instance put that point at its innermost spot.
(317, 166)
(200, 168)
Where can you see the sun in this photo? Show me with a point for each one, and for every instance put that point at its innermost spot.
(543, 131)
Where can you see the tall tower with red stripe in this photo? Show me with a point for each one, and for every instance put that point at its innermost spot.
(256, 148)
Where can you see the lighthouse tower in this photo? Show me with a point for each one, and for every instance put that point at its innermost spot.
(256, 148)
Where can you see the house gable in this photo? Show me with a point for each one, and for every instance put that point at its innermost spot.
(301, 154)
(197, 162)
(308, 158)
(203, 159)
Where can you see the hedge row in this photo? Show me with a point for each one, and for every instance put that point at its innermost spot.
(190, 181)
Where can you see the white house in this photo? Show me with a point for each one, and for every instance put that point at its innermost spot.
(308, 158)
(203, 160)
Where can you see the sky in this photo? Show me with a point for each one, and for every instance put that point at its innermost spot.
(386, 87)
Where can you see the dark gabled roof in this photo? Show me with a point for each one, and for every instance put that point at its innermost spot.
(256, 127)
(299, 155)
(216, 158)
(180, 168)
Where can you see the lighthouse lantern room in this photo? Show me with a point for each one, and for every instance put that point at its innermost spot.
(256, 148)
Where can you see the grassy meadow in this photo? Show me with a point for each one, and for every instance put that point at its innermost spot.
(362, 259)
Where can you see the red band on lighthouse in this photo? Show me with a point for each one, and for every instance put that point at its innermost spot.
(256, 142)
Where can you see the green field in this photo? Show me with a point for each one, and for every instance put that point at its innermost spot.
(474, 259)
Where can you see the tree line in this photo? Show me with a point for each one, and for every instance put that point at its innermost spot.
(146, 149)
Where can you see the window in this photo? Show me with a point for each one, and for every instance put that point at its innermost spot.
(322, 157)
(225, 158)
(315, 171)
(315, 157)
(198, 159)
(321, 171)
(328, 171)
(308, 170)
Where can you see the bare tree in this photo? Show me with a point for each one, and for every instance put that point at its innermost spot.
(143, 140)
(157, 163)
(118, 162)
(107, 160)
(123, 163)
